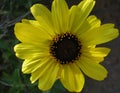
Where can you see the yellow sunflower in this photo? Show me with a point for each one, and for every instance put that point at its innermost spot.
(61, 43)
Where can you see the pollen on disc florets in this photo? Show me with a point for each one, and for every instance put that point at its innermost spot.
(65, 48)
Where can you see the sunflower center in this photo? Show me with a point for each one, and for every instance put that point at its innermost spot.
(65, 48)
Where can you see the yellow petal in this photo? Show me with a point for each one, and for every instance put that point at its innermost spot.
(99, 35)
(93, 21)
(48, 78)
(97, 52)
(28, 33)
(32, 64)
(72, 16)
(89, 24)
(92, 69)
(41, 26)
(43, 15)
(60, 15)
(43, 66)
(85, 8)
(72, 78)
(95, 59)
(40, 11)
(25, 51)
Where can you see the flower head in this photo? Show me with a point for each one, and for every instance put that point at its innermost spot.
(61, 43)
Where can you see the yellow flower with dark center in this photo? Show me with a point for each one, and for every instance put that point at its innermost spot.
(61, 43)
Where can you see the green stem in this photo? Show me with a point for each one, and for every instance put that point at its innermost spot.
(46, 91)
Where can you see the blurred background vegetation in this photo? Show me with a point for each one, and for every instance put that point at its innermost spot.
(11, 78)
